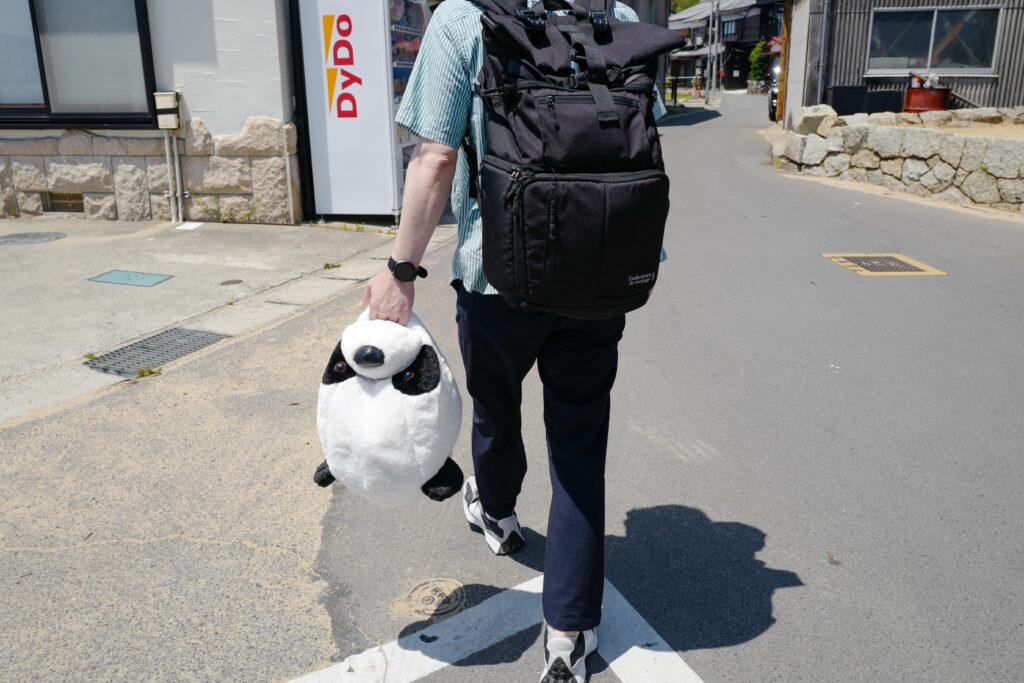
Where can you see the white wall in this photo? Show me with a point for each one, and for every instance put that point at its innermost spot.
(229, 58)
(797, 68)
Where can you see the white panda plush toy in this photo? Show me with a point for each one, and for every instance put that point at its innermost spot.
(388, 414)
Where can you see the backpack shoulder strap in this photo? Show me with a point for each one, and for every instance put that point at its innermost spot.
(501, 6)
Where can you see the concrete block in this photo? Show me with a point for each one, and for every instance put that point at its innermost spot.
(855, 174)
(883, 118)
(1011, 190)
(140, 147)
(270, 190)
(855, 138)
(100, 206)
(1003, 157)
(198, 140)
(795, 146)
(982, 115)
(981, 188)
(814, 151)
(974, 152)
(131, 188)
(29, 174)
(160, 207)
(8, 207)
(79, 174)
(865, 159)
(208, 175)
(109, 146)
(260, 136)
(156, 173)
(921, 143)
(913, 170)
(28, 147)
(936, 118)
(836, 163)
(30, 204)
(855, 119)
(75, 143)
(893, 167)
(952, 148)
(810, 118)
(887, 141)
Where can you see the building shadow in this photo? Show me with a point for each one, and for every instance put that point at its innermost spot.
(697, 583)
(691, 118)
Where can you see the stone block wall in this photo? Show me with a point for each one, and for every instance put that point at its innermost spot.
(235, 178)
(921, 154)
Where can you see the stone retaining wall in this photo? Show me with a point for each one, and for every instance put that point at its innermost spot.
(905, 152)
(231, 178)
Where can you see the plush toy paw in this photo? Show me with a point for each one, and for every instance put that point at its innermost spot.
(323, 476)
(446, 483)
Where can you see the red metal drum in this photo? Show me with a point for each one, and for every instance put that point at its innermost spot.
(926, 99)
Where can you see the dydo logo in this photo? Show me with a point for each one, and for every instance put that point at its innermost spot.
(338, 54)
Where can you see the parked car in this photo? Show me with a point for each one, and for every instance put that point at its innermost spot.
(773, 90)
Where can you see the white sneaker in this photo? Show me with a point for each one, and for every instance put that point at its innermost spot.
(565, 658)
(503, 536)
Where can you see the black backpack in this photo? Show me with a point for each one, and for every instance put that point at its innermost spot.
(572, 189)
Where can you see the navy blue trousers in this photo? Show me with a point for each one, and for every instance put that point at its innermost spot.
(577, 361)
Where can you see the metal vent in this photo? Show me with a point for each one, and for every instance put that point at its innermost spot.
(154, 352)
(882, 264)
(63, 201)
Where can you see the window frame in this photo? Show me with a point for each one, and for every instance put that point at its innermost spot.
(947, 71)
(42, 117)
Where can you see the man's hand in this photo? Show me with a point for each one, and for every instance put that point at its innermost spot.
(388, 298)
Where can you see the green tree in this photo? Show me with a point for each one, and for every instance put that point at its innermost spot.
(680, 5)
(759, 58)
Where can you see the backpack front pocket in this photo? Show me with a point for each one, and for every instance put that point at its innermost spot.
(574, 139)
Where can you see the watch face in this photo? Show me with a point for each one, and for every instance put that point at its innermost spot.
(404, 272)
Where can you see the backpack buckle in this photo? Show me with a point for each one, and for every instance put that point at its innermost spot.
(599, 18)
(534, 22)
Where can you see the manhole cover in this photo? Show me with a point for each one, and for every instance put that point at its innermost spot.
(882, 264)
(437, 598)
(129, 277)
(154, 351)
(31, 238)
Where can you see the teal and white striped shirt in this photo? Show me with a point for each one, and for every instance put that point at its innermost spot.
(439, 99)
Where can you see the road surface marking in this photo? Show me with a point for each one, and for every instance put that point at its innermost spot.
(633, 650)
(188, 226)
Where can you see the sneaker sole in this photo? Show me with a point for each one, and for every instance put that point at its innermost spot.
(513, 543)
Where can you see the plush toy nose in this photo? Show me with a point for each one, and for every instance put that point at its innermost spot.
(369, 356)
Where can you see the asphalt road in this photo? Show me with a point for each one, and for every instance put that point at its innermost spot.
(813, 475)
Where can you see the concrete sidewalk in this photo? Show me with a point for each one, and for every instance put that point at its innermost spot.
(224, 278)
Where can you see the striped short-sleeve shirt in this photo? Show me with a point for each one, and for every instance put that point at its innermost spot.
(438, 101)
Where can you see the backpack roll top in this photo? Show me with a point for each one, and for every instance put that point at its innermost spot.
(572, 191)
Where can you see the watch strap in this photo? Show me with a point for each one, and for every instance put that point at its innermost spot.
(392, 264)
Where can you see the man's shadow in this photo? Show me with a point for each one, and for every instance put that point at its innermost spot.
(695, 581)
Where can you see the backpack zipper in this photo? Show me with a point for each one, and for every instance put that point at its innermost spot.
(551, 108)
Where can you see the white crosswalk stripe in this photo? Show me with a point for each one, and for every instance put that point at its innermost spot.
(633, 650)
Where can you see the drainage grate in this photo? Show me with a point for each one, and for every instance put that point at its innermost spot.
(63, 201)
(154, 351)
(30, 238)
(882, 264)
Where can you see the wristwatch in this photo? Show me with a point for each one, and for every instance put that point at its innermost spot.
(405, 271)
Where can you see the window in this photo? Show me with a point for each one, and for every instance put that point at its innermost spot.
(729, 29)
(963, 40)
(75, 62)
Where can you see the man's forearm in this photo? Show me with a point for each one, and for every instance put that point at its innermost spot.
(427, 185)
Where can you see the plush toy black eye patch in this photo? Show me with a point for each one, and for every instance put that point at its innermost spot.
(422, 376)
(338, 369)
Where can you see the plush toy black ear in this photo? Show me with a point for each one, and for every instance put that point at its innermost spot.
(323, 476)
(446, 483)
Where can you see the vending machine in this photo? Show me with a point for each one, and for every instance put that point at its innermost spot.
(357, 57)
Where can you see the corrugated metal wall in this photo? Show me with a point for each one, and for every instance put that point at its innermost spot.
(850, 23)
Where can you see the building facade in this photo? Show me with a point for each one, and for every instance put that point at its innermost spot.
(860, 54)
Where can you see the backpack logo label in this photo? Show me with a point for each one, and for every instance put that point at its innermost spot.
(338, 54)
(642, 279)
